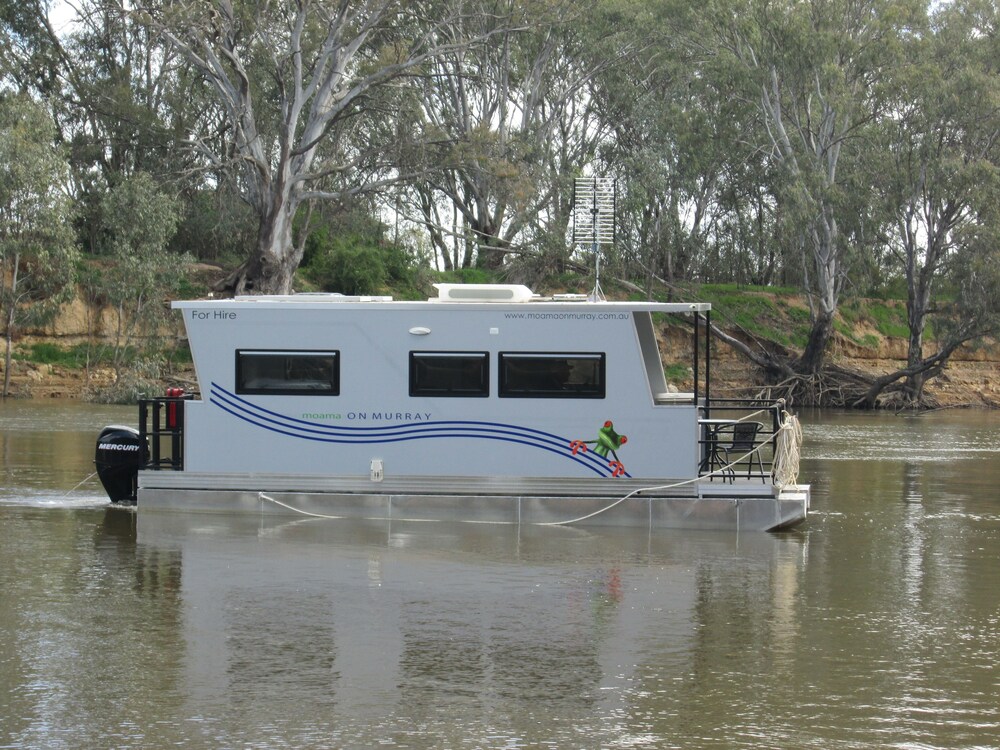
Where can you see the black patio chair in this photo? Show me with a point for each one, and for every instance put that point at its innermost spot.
(744, 440)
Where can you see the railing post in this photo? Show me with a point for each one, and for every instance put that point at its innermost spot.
(176, 450)
(708, 357)
(144, 424)
(695, 357)
(155, 433)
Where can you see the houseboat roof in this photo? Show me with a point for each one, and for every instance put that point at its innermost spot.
(453, 294)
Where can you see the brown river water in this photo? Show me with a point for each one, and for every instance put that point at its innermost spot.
(875, 624)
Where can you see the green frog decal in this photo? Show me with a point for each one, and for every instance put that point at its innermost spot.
(608, 440)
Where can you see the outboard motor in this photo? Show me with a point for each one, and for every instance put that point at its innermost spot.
(120, 453)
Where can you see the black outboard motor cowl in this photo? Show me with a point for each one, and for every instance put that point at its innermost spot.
(120, 453)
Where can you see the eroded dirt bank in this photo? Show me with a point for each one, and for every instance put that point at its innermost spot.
(972, 379)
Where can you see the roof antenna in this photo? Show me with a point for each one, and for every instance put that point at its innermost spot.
(594, 200)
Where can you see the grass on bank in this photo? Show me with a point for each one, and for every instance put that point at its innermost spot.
(80, 356)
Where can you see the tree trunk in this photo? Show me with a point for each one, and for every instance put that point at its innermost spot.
(918, 300)
(432, 223)
(278, 256)
(6, 368)
(811, 361)
(490, 255)
(7, 361)
(271, 268)
(913, 386)
(10, 325)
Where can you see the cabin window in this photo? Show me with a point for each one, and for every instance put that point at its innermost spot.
(534, 375)
(299, 373)
(460, 374)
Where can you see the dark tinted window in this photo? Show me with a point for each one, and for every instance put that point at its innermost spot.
(288, 373)
(449, 374)
(532, 375)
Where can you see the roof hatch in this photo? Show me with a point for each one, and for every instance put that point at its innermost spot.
(483, 293)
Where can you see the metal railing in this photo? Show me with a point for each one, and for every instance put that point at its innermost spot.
(161, 427)
(728, 451)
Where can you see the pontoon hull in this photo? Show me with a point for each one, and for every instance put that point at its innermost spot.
(742, 506)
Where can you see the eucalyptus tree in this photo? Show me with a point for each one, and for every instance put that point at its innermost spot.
(815, 72)
(29, 49)
(37, 256)
(685, 148)
(120, 93)
(118, 98)
(121, 104)
(290, 82)
(138, 219)
(514, 122)
(939, 174)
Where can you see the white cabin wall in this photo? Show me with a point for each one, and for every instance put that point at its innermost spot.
(375, 341)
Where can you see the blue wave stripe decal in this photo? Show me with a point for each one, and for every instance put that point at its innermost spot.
(315, 431)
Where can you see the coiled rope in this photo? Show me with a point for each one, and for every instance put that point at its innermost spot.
(787, 449)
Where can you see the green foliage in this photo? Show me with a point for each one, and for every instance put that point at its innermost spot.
(139, 218)
(139, 221)
(677, 372)
(469, 275)
(37, 256)
(44, 353)
(869, 341)
(889, 320)
(141, 379)
(185, 288)
(78, 356)
(758, 314)
(742, 288)
(348, 254)
(215, 226)
(349, 270)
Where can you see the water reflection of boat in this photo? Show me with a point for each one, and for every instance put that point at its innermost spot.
(400, 618)
(485, 404)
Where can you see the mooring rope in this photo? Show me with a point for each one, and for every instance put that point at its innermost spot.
(787, 442)
(789, 436)
(84, 480)
(787, 450)
(619, 501)
(261, 496)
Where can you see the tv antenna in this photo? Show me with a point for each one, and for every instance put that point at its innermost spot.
(594, 201)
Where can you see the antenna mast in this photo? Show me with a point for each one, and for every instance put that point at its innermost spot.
(594, 200)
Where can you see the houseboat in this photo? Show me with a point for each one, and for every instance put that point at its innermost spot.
(486, 403)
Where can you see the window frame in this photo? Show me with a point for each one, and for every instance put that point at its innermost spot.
(597, 392)
(417, 356)
(243, 390)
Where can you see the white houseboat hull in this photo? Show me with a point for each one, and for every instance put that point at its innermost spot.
(485, 405)
(744, 505)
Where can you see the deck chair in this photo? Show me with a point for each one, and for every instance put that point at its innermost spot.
(744, 441)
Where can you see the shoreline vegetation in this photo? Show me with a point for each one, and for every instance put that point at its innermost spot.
(83, 354)
(685, 153)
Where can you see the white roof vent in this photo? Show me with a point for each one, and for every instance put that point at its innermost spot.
(483, 293)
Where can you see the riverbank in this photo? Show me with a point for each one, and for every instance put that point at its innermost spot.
(971, 380)
(870, 339)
